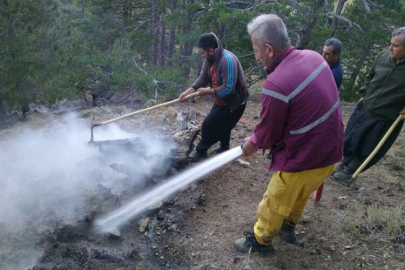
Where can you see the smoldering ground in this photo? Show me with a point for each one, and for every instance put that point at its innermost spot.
(48, 174)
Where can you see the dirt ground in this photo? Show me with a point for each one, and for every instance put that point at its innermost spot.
(361, 228)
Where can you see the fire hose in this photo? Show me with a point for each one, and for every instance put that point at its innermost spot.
(138, 205)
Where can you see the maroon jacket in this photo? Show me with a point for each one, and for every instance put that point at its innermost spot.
(232, 84)
(301, 118)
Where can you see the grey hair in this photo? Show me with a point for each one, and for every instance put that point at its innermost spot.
(400, 32)
(335, 43)
(269, 29)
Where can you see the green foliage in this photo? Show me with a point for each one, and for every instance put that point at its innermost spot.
(54, 49)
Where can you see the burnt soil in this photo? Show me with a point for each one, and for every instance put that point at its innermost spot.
(196, 229)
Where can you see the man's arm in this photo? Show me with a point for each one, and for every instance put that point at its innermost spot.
(270, 130)
(201, 81)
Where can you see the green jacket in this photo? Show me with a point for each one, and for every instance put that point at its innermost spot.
(384, 88)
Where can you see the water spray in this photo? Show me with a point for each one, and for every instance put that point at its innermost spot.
(136, 206)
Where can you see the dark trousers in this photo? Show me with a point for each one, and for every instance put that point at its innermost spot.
(362, 135)
(217, 126)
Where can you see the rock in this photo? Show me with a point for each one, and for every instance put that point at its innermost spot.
(154, 247)
(149, 103)
(88, 96)
(243, 163)
(172, 171)
(173, 227)
(136, 255)
(332, 248)
(348, 247)
(143, 223)
(178, 136)
(115, 233)
(156, 206)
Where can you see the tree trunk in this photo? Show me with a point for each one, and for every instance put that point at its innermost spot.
(154, 34)
(313, 16)
(187, 47)
(172, 37)
(125, 7)
(339, 10)
(2, 109)
(162, 44)
(359, 66)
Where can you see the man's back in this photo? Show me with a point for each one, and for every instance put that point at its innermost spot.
(313, 127)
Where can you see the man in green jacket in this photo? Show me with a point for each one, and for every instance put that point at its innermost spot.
(383, 99)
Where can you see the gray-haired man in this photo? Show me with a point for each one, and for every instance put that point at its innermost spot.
(300, 123)
(383, 99)
(331, 53)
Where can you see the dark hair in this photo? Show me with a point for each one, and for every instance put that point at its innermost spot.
(207, 42)
(335, 43)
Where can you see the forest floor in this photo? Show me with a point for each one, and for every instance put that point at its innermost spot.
(349, 228)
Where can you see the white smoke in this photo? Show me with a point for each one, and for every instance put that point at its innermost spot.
(52, 167)
(51, 170)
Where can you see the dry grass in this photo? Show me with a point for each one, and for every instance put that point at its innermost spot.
(378, 221)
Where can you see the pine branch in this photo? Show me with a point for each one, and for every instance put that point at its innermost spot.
(350, 22)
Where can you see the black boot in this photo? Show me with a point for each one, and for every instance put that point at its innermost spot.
(196, 156)
(220, 149)
(343, 176)
(338, 168)
(249, 244)
(287, 232)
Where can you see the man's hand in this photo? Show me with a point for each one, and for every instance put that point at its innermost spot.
(183, 95)
(205, 91)
(247, 148)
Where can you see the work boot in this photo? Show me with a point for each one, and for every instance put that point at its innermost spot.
(196, 156)
(343, 176)
(339, 168)
(220, 149)
(249, 244)
(287, 232)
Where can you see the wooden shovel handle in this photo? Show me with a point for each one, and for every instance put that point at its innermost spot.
(378, 147)
(144, 110)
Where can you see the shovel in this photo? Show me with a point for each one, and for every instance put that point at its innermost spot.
(93, 125)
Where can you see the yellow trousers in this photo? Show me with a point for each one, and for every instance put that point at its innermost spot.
(285, 198)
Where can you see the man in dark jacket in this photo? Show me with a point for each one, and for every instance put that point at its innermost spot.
(224, 74)
(383, 99)
(331, 53)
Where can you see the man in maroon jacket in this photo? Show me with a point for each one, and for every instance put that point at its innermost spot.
(223, 73)
(301, 124)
